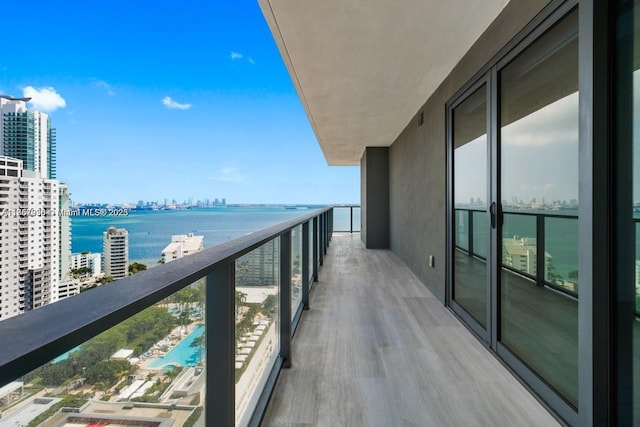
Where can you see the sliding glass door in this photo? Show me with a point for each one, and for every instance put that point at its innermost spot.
(538, 134)
(471, 228)
(513, 141)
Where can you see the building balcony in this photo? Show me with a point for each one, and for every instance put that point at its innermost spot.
(377, 348)
(361, 340)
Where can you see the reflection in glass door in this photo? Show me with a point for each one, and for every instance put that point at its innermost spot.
(469, 285)
(538, 119)
(514, 171)
(626, 309)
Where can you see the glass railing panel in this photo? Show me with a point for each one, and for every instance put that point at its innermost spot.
(462, 229)
(341, 218)
(480, 231)
(561, 253)
(296, 269)
(356, 218)
(257, 324)
(149, 366)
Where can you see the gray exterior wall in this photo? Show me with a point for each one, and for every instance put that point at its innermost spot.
(374, 170)
(417, 159)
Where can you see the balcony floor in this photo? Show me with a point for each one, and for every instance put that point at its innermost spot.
(378, 349)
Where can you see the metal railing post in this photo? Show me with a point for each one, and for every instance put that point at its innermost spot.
(305, 266)
(321, 239)
(351, 219)
(540, 250)
(219, 409)
(315, 249)
(470, 228)
(330, 224)
(325, 229)
(285, 299)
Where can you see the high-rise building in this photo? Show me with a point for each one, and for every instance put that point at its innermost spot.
(29, 239)
(65, 231)
(36, 239)
(260, 267)
(27, 135)
(116, 252)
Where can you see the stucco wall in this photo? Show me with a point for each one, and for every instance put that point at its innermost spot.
(374, 167)
(417, 159)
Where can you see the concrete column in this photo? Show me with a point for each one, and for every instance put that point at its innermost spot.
(374, 194)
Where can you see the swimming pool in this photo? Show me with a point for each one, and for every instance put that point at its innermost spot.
(182, 354)
(65, 356)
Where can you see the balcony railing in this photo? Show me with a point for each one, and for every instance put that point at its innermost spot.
(247, 343)
(346, 218)
(535, 236)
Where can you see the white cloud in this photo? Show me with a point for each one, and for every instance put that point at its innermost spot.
(106, 86)
(237, 56)
(174, 105)
(555, 123)
(228, 174)
(44, 99)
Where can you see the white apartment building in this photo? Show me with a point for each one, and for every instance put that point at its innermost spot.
(89, 260)
(182, 245)
(35, 238)
(521, 252)
(29, 239)
(68, 288)
(116, 252)
(65, 232)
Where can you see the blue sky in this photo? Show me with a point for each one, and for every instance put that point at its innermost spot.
(181, 100)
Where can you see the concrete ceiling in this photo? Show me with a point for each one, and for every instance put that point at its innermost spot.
(363, 68)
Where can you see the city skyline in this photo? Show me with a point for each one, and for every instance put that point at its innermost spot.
(145, 109)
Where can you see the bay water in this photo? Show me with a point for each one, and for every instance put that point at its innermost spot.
(150, 231)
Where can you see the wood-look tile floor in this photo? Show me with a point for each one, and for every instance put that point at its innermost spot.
(378, 349)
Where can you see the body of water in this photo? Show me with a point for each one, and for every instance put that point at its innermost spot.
(182, 354)
(561, 235)
(65, 356)
(150, 231)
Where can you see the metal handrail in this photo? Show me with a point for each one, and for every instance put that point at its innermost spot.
(540, 215)
(36, 337)
(351, 208)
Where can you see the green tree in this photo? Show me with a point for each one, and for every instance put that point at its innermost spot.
(105, 280)
(199, 343)
(136, 267)
(77, 273)
(270, 304)
(241, 298)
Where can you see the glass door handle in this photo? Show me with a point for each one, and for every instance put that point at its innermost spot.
(492, 212)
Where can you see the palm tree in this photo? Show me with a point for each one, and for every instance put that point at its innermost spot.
(241, 298)
(200, 343)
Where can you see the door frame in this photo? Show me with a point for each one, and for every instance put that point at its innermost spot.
(552, 13)
(483, 333)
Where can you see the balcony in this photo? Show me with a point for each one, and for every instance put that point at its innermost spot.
(377, 348)
(373, 348)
